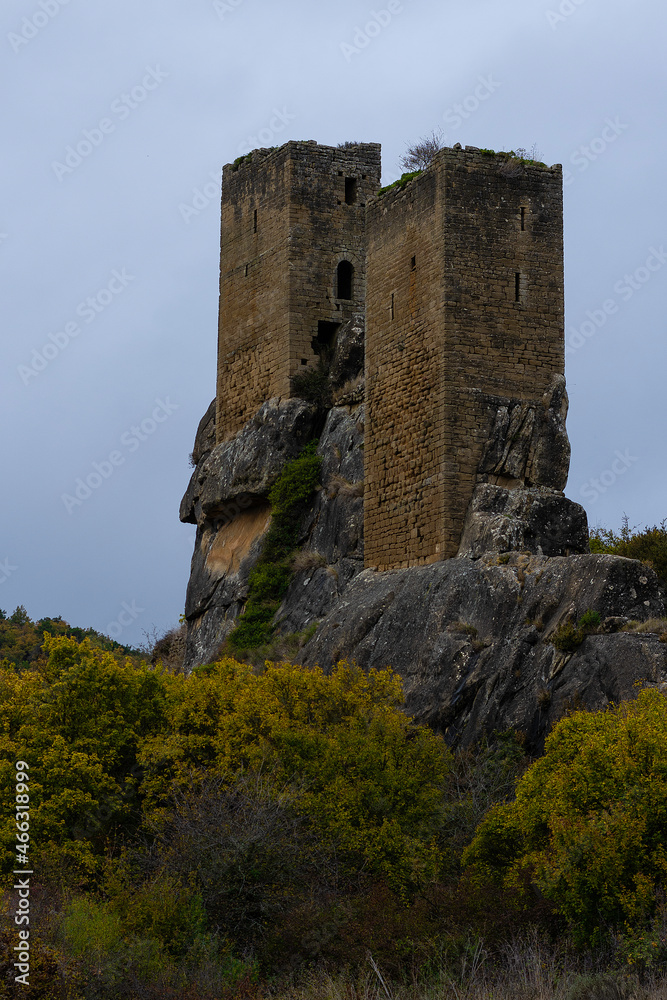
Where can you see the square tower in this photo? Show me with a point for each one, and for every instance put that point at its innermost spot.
(292, 266)
(464, 305)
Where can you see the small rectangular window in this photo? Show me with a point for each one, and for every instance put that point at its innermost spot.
(413, 263)
(246, 270)
(523, 218)
(391, 308)
(254, 222)
(517, 287)
(350, 190)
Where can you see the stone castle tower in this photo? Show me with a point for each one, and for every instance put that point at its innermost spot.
(460, 275)
(292, 266)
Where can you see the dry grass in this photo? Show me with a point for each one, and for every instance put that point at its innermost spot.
(657, 626)
(307, 559)
(525, 971)
(463, 627)
(348, 389)
(340, 487)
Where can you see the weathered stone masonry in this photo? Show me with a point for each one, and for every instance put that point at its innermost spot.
(465, 303)
(292, 266)
(461, 276)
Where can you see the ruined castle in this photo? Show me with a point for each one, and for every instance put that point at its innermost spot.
(432, 312)
(459, 272)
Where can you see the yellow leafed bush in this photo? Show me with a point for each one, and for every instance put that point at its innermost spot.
(589, 824)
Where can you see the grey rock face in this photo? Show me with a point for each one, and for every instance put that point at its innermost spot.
(348, 358)
(227, 498)
(538, 520)
(333, 531)
(248, 465)
(470, 638)
(528, 445)
(205, 437)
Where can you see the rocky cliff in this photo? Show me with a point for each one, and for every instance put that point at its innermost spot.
(483, 642)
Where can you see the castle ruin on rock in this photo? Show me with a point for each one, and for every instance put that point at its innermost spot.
(430, 316)
(460, 275)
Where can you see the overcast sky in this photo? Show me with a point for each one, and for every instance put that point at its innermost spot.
(118, 119)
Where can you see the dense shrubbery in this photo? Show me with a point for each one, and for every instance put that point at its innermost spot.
(78, 719)
(196, 834)
(270, 577)
(22, 640)
(589, 824)
(649, 545)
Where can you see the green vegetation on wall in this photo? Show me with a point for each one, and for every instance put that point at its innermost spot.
(201, 834)
(648, 545)
(271, 576)
(588, 827)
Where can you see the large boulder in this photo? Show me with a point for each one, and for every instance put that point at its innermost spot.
(471, 639)
(228, 499)
(246, 467)
(528, 444)
(538, 520)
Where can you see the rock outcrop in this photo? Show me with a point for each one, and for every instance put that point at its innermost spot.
(472, 637)
(228, 501)
(538, 520)
(528, 445)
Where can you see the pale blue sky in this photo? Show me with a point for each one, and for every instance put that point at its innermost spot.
(110, 255)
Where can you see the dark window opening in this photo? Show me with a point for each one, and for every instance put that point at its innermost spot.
(363, 177)
(391, 308)
(523, 218)
(246, 270)
(323, 344)
(304, 361)
(344, 275)
(517, 287)
(350, 190)
(340, 173)
(413, 263)
(254, 223)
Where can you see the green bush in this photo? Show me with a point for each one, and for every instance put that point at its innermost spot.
(369, 781)
(271, 576)
(649, 545)
(570, 636)
(313, 384)
(588, 827)
(399, 184)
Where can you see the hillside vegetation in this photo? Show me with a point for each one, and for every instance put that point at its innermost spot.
(276, 832)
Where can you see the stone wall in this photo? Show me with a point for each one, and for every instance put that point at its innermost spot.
(289, 217)
(465, 303)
